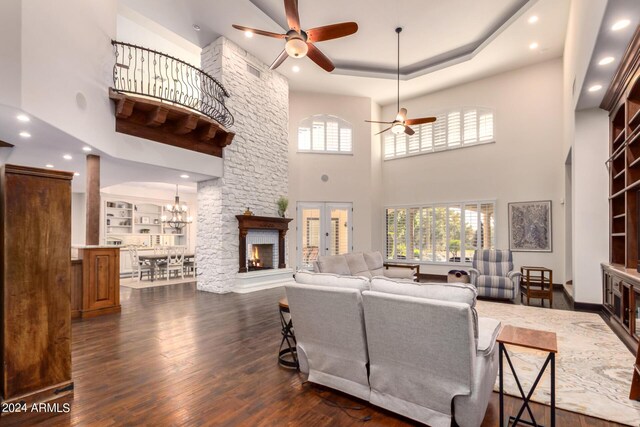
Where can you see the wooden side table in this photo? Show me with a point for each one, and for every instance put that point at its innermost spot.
(537, 282)
(534, 339)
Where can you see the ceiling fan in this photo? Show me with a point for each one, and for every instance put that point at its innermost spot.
(401, 124)
(300, 43)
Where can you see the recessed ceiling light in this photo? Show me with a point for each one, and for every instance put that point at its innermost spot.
(87, 149)
(196, 27)
(48, 166)
(23, 118)
(67, 157)
(184, 176)
(76, 174)
(624, 23)
(595, 88)
(295, 69)
(25, 134)
(248, 34)
(533, 45)
(533, 19)
(606, 60)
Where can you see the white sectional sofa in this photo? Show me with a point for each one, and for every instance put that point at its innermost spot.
(365, 264)
(417, 350)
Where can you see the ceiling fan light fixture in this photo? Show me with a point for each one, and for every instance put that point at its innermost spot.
(296, 48)
(397, 128)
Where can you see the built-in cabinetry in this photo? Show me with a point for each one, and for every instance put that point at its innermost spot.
(621, 281)
(135, 222)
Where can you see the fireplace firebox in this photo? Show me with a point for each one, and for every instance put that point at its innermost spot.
(260, 257)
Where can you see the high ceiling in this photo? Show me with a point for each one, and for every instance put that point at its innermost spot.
(443, 43)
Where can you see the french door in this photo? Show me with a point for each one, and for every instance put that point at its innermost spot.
(323, 229)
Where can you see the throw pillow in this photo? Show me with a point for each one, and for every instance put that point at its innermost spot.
(335, 264)
(357, 264)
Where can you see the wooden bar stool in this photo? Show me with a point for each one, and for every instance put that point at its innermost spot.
(287, 355)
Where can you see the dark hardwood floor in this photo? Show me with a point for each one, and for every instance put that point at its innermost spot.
(179, 357)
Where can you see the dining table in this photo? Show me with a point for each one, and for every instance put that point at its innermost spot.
(154, 260)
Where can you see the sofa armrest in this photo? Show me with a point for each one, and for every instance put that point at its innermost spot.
(488, 330)
(473, 275)
(515, 277)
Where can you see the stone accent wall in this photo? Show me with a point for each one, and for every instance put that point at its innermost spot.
(255, 164)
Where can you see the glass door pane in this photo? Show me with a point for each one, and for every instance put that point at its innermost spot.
(339, 229)
(309, 241)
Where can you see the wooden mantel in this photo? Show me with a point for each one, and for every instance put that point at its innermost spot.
(169, 124)
(252, 222)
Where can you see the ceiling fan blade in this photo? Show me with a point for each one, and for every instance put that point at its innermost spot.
(319, 58)
(409, 131)
(330, 32)
(373, 121)
(421, 121)
(293, 17)
(259, 32)
(383, 131)
(279, 60)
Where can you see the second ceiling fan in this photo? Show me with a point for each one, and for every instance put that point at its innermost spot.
(300, 43)
(401, 124)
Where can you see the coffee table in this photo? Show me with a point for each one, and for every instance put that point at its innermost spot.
(533, 339)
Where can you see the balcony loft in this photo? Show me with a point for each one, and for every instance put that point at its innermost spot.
(163, 99)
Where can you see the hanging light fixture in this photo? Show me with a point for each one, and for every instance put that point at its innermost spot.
(176, 217)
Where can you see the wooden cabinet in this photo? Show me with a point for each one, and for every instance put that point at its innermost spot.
(100, 280)
(621, 301)
(35, 217)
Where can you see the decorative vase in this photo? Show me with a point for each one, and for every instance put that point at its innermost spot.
(248, 212)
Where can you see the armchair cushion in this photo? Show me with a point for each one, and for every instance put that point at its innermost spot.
(493, 262)
(494, 282)
(399, 273)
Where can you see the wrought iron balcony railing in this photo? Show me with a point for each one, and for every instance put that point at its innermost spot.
(146, 72)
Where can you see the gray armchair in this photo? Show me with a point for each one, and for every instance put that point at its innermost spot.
(492, 274)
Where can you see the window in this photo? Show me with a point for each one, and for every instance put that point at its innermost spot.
(453, 129)
(325, 134)
(440, 233)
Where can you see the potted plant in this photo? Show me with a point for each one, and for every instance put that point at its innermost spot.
(283, 204)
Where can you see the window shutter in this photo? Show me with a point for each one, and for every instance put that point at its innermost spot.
(440, 132)
(470, 126)
(486, 126)
(391, 233)
(414, 142)
(389, 146)
(453, 129)
(317, 137)
(426, 137)
(346, 140)
(333, 136)
(304, 138)
(401, 144)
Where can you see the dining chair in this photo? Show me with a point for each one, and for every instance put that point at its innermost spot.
(175, 261)
(138, 267)
(190, 265)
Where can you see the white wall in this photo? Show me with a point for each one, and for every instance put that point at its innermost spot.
(67, 69)
(10, 51)
(525, 163)
(590, 211)
(78, 219)
(352, 178)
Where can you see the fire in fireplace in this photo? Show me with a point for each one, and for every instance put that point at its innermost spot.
(260, 257)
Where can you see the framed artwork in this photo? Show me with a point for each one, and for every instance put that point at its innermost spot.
(530, 226)
(145, 220)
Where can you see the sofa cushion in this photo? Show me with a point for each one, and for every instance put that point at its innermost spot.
(498, 282)
(399, 273)
(336, 264)
(333, 280)
(357, 264)
(454, 292)
(374, 261)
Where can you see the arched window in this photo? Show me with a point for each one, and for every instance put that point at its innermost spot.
(457, 128)
(323, 133)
